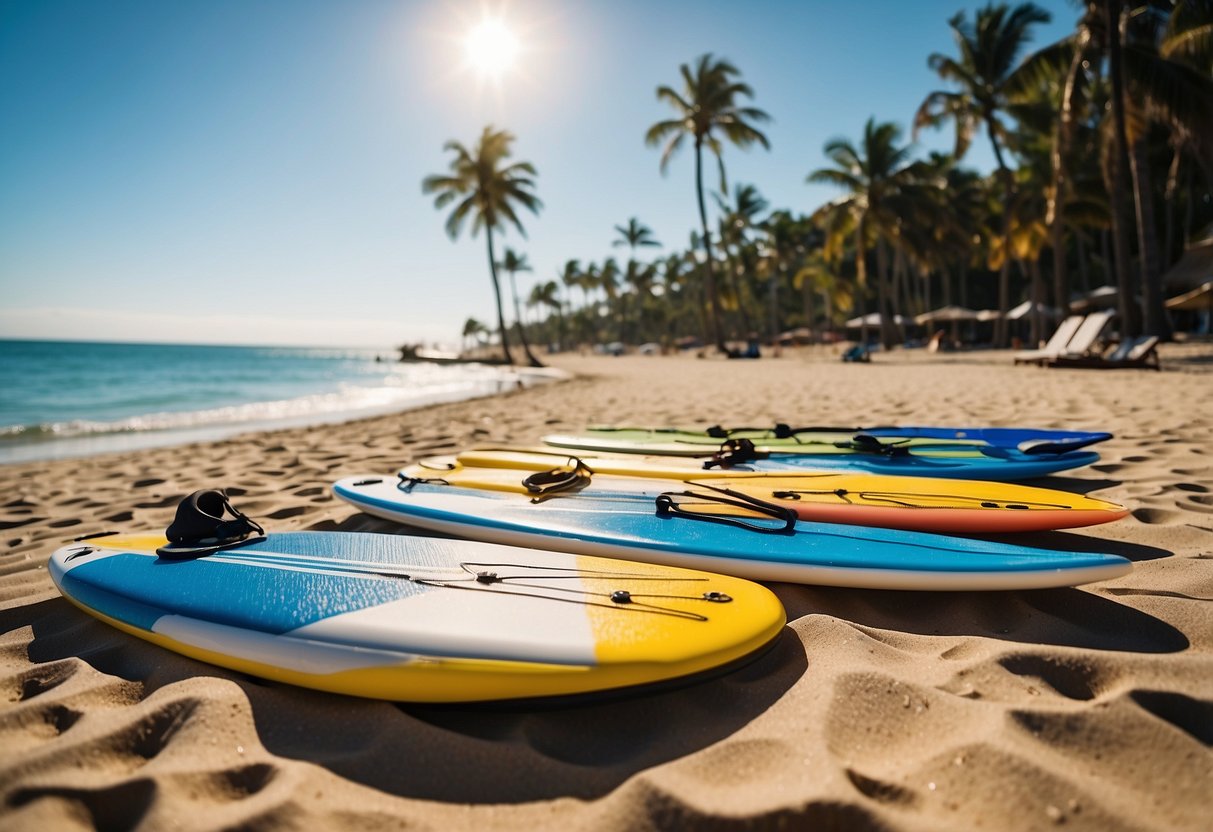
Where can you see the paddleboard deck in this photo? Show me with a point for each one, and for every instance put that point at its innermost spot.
(913, 503)
(1029, 440)
(421, 619)
(966, 462)
(738, 542)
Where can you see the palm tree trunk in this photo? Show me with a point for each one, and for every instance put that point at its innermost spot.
(806, 303)
(736, 276)
(772, 290)
(713, 301)
(1168, 247)
(861, 280)
(827, 303)
(1187, 223)
(526, 348)
(1155, 320)
(1084, 275)
(901, 293)
(887, 339)
(1055, 208)
(1105, 251)
(505, 344)
(1004, 273)
(1120, 156)
(1038, 290)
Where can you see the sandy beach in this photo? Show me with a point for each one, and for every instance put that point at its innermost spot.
(1085, 708)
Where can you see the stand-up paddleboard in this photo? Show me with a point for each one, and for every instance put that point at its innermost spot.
(421, 619)
(913, 503)
(872, 455)
(725, 533)
(1028, 440)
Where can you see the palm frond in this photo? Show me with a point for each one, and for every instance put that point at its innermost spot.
(672, 147)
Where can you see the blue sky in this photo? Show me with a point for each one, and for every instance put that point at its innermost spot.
(248, 171)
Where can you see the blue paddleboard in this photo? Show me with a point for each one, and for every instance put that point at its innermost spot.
(725, 538)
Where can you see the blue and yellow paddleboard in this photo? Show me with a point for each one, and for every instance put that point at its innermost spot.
(421, 619)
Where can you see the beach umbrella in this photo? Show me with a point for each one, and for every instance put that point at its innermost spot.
(1105, 297)
(872, 320)
(1025, 309)
(946, 313)
(1199, 299)
(1195, 268)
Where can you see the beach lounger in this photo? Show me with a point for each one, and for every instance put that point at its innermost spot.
(1082, 345)
(1132, 352)
(1055, 346)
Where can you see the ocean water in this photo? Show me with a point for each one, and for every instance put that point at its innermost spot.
(62, 399)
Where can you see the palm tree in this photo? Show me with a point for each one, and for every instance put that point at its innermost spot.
(989, 48)
(873, 173)
(1177, 94)
(608, 281)
(570, 276)
(958, 216)
(737, 219)
(635, 235)
(513, 263)
(473, 329)
(782, 244)
(548, 294)
(708, 110)
(1078, 55)
(1162, 74)
(488, 193)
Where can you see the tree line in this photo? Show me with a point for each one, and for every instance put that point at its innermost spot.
(1103, 145)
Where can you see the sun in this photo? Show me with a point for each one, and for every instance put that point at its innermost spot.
(491, 48)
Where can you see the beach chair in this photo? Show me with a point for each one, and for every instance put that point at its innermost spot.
(1131, 352)
(1082, 345)
(1144, 353)
(1055, 346)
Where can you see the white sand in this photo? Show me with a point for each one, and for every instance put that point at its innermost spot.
(1090, 708)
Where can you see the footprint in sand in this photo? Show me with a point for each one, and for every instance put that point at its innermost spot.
(1071, 678)
(1153, 516)
(16, 524)
(1197, 502)
(38, 680)
(1192, 716)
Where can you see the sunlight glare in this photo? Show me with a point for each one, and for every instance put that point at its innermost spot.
(491, 48)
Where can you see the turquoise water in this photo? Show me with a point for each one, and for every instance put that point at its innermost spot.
(60, 399)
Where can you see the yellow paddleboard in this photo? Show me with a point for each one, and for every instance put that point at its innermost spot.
(915, 503)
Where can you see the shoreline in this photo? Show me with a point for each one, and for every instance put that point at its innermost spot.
(16, 448)
(1087, 707)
